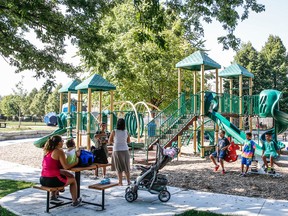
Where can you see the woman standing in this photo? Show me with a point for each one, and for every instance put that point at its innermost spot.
(120, 155)
(52, 174)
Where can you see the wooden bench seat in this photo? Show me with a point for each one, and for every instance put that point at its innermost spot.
(48, 190)
(3, 124)
(102, 187)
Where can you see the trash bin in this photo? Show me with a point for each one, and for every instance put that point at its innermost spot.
(151, 129)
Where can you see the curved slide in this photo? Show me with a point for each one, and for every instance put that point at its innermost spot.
(62, 123)
(41, 142)
(231, 130)
(268, 107)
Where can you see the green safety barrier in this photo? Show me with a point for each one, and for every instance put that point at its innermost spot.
(131, 124)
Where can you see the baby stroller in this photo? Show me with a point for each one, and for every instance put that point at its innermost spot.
(150, 180)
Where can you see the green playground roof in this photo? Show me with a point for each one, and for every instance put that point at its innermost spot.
(70, 87)
(195, 60)
(96, 83)
(235, 70)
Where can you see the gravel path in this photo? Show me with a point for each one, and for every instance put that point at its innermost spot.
(188, 172)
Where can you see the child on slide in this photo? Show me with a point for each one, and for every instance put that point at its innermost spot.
(269, 150)
(247, 154)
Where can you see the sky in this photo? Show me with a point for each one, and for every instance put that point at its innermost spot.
(255, 29)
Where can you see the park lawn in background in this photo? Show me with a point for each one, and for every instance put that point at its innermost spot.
(10, 186)
(13, 126)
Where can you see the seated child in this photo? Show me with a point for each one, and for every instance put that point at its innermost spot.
(71, 152)
(270, 150)
(247, 153)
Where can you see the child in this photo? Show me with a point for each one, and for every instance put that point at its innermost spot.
(71, 153)
(101, 138)
(270, 150)
(247, 153)
(220, 153)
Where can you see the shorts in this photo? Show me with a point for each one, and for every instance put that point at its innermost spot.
(222, 154)
(246, 161)
(271, 154)
(58, 181)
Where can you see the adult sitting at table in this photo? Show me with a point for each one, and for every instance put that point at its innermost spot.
(52, 174)
(120, 155)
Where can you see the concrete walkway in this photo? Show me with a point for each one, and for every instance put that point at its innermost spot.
(32, 201)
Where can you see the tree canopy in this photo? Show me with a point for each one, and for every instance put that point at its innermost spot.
(34, 34)
(269, 65)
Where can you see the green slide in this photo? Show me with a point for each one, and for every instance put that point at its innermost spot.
(62, 124)
(41, 142)
(231, 130)
(268, 107)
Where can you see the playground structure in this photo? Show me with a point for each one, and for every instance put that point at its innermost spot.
(72, 119)
(195, 117)
(187, 116)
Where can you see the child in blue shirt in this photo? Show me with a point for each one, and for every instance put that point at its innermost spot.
(247, 153)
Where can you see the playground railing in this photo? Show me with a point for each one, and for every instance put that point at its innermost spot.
(229, 103)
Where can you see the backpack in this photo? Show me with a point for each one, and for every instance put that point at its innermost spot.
(86, 158)
(99, 155)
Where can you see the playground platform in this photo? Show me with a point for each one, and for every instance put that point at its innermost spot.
(32, 202)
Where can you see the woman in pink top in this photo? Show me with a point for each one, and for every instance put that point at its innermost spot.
(52, 175)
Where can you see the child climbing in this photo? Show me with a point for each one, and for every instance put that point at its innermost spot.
(247, 154)
(269, 150)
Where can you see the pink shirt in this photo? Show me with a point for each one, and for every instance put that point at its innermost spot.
(50, 166)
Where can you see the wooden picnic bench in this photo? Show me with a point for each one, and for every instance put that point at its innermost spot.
(48, 190)
(77, 171)
(3, 123)
(102, 187)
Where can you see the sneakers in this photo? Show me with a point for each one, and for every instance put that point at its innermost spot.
(216, 168)
(77, 202)
(242, 175)
(55, 200)
(223, 172)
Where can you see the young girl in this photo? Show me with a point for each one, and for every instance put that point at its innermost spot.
(71, 153)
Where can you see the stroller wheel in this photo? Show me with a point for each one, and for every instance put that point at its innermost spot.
(164, 196)
(135, 196)
(127, 189)
(129, 196)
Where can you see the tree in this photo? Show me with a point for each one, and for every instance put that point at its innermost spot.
(9, 106)
(194, 13)
(37, 106)
(19, 99)
(276, 67)
(132, 59)
(269, 66)
(53, 98)
(52, 23)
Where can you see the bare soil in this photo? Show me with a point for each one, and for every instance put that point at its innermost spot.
(189, 172)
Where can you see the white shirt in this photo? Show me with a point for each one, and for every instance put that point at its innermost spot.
(120, 140)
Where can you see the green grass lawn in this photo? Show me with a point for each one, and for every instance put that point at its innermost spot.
(13, 126)
(10, 186)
